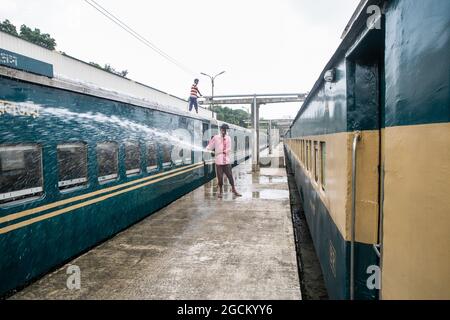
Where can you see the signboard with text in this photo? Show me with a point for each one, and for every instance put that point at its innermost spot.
(20, 62)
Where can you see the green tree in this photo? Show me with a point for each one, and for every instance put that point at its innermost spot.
(8, 27)
(45, 40)
(35, 36)
(95, 65)
(233, 116)
(110, 69)
(264, 124)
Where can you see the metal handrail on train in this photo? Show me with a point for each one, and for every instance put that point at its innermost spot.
(378, 247)
(356, 139)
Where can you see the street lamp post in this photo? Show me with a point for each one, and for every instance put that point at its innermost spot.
(212, 86)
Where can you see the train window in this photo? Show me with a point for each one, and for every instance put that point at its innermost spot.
(205, 128)
(316, 161)
(72, 165)
(302, 151)
(20, 172)
(305, 154)
(298, 150)
(187, 156)
(177, 157)
(295, 147)
(184, 153)
(205, 140)
(132, 158)
(214, 129)
(152, 159)
(308, 146)
(183, 123)
(323, 159)
(166, 154)
(108, 161)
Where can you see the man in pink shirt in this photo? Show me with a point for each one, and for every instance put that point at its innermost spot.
(221, 144)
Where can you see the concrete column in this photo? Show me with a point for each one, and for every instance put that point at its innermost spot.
(270, 137)
(257, 130)
(255, 126)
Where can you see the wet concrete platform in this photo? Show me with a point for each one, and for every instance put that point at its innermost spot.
(199, 247)
(275, 159)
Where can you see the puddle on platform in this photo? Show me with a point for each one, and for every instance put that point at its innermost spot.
(272, 179)
(266, 194)
(271, 194)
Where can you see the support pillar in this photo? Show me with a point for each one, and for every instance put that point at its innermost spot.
(255, 126)
(270, 137)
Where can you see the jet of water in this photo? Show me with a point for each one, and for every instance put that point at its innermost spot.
(127, 126)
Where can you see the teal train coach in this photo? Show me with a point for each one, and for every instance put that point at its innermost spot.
(81, 160)
(370, 152)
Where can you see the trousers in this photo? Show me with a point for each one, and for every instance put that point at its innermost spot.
(224, 169)
(193, 103)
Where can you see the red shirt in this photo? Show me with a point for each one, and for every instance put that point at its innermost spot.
(194, 91)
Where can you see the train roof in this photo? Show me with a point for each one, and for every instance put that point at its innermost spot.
(232, 126)
(356, 25)
(69, 73)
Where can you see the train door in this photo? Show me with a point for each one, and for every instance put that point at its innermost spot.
(247, 146)
(206, 156)
(205, 139)
(365, 85)
(214, 130)
(235, 147)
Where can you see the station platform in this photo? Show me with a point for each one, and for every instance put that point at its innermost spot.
(198, 247)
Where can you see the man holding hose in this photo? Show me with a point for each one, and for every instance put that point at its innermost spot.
(221, 143)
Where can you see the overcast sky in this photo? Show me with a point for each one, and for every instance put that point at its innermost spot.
(264, 46)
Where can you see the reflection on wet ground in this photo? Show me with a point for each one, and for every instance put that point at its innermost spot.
(271, 194)
(271, 179)
(268, 183)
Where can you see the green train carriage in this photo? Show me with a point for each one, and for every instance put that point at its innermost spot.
(369, 148)
(79, 164)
